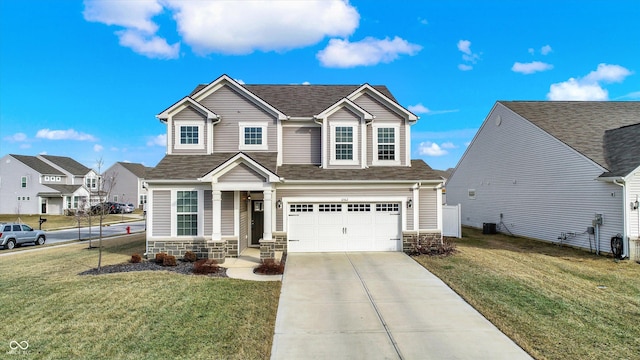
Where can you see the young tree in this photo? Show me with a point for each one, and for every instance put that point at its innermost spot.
(105, 184)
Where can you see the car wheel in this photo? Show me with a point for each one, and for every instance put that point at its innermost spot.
(10, 244)
(40, 240)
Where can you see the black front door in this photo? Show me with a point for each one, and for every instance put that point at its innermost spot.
(257, 221)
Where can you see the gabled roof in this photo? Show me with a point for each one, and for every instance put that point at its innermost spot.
(579, 124)
(346, 103)
(622, 150)
(136, 169)
(60, 189)
(236, 160)
(67, 163)
(37, 165)
(192, 167)
(419, 171)
(188, 101)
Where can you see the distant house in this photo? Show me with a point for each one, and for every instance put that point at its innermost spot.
(125, 183)
(564, 172)
(295, 168)
(44, 184)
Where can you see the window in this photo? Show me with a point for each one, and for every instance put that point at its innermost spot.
(92, 183)
(189, 135)
(253, 136)
(115, 198)
(344, 143)
(23, 182)
(68, 202)
(76, 202)
(187, 209)
(300, 208)
(329, 207)
(386, 144)
(472, 194)
(394, 207)
(143, 199)
(359, 207)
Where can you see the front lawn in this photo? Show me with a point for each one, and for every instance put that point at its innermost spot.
(135, 315)
(555, 302)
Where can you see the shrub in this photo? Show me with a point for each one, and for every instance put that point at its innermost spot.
(190, 256)
(160, 258)
(270, 267)
(433, 247)
(169, 260)
(205, 266)
(136, 258)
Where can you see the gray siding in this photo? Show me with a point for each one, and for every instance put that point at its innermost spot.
(208, 213)
(242, 173)
(387, 116)
(541, 187)
(228, 222)
(185, 117)
(234, 109)
(124, 184)
(161, 213)
(428, 217)
(301, 145)
(402, 192)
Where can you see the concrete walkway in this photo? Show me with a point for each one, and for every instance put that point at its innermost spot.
(378, 306)
(242, 266)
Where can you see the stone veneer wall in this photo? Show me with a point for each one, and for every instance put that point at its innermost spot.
(267, 250)
(232, 248)
(177, 248)
(411, 238)
(280, 237)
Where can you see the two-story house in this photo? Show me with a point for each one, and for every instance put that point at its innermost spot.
(296, 168)
(125, 182)
(44, 184)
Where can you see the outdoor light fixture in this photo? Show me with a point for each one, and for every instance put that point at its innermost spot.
(279, 204)
(635, 205)
(409, 203)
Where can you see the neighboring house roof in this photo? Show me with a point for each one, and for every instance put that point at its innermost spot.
(191, 167)
(60, 189)
(67, 163)
(622, 150)
(37, 165)
(580, 124)
(303, 100)
(136, 169)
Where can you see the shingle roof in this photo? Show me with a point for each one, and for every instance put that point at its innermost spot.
(37, 165)
(136, 169)
(61, 189)
(622, 149)
(191, 167)
(303, 100)
(67, 163)
(579, 124)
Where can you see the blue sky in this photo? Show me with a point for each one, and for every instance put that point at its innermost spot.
(86, 79)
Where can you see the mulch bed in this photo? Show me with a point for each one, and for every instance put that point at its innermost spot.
(183, 267)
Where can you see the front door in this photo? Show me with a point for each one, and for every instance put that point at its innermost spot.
(257, 221)
(44, 206)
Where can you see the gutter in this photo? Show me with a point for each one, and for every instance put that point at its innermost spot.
(625, 222)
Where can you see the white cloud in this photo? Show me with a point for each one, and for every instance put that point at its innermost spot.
(150, 46)
(468, 56)
(241, 27)
(25, 146)
(69, 134)
(530, 68)
(531, 51)
(239, 81)
(631, 95)
(306, 83)
(160, 140)
(369, 51)
(546, 50)
(588, 88)
(418, 109)
(448, 145)
(97, 147)
(431, 149)
(17, 137)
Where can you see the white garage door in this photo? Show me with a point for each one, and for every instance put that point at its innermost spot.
(338, 227)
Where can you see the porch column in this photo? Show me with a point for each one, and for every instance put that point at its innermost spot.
(216, 198)
(267, 215)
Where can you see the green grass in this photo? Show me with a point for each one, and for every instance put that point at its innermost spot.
(547, 298)
(137, 315)
(61, 221)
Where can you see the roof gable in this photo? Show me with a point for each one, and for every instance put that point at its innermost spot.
(68, 164)
(579, 124)
(239, 161)
(184, 103)
(136, 169)
(348, 104)
(622, 150)
(37, 165)
(389, 102)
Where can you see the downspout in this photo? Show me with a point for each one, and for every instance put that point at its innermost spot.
(625, 222)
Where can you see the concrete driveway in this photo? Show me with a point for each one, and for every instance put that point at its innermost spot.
(378, 306)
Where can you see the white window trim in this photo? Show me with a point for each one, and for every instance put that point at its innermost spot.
(178, 131)
(355, 131)
(174, 212)
(243, 125)
(396, 145)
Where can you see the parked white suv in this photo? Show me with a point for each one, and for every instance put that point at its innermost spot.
(12, 234)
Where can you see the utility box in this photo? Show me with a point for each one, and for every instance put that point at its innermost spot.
(489, 228)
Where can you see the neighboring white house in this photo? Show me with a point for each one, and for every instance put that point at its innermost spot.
(557, 171)
(297, 168)
(125, 183)
(43, 184)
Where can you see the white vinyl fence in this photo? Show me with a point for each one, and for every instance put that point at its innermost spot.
(451, 221)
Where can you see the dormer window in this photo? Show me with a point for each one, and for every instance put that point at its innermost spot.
(253, 136)
(344, 143)
(189, 135)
